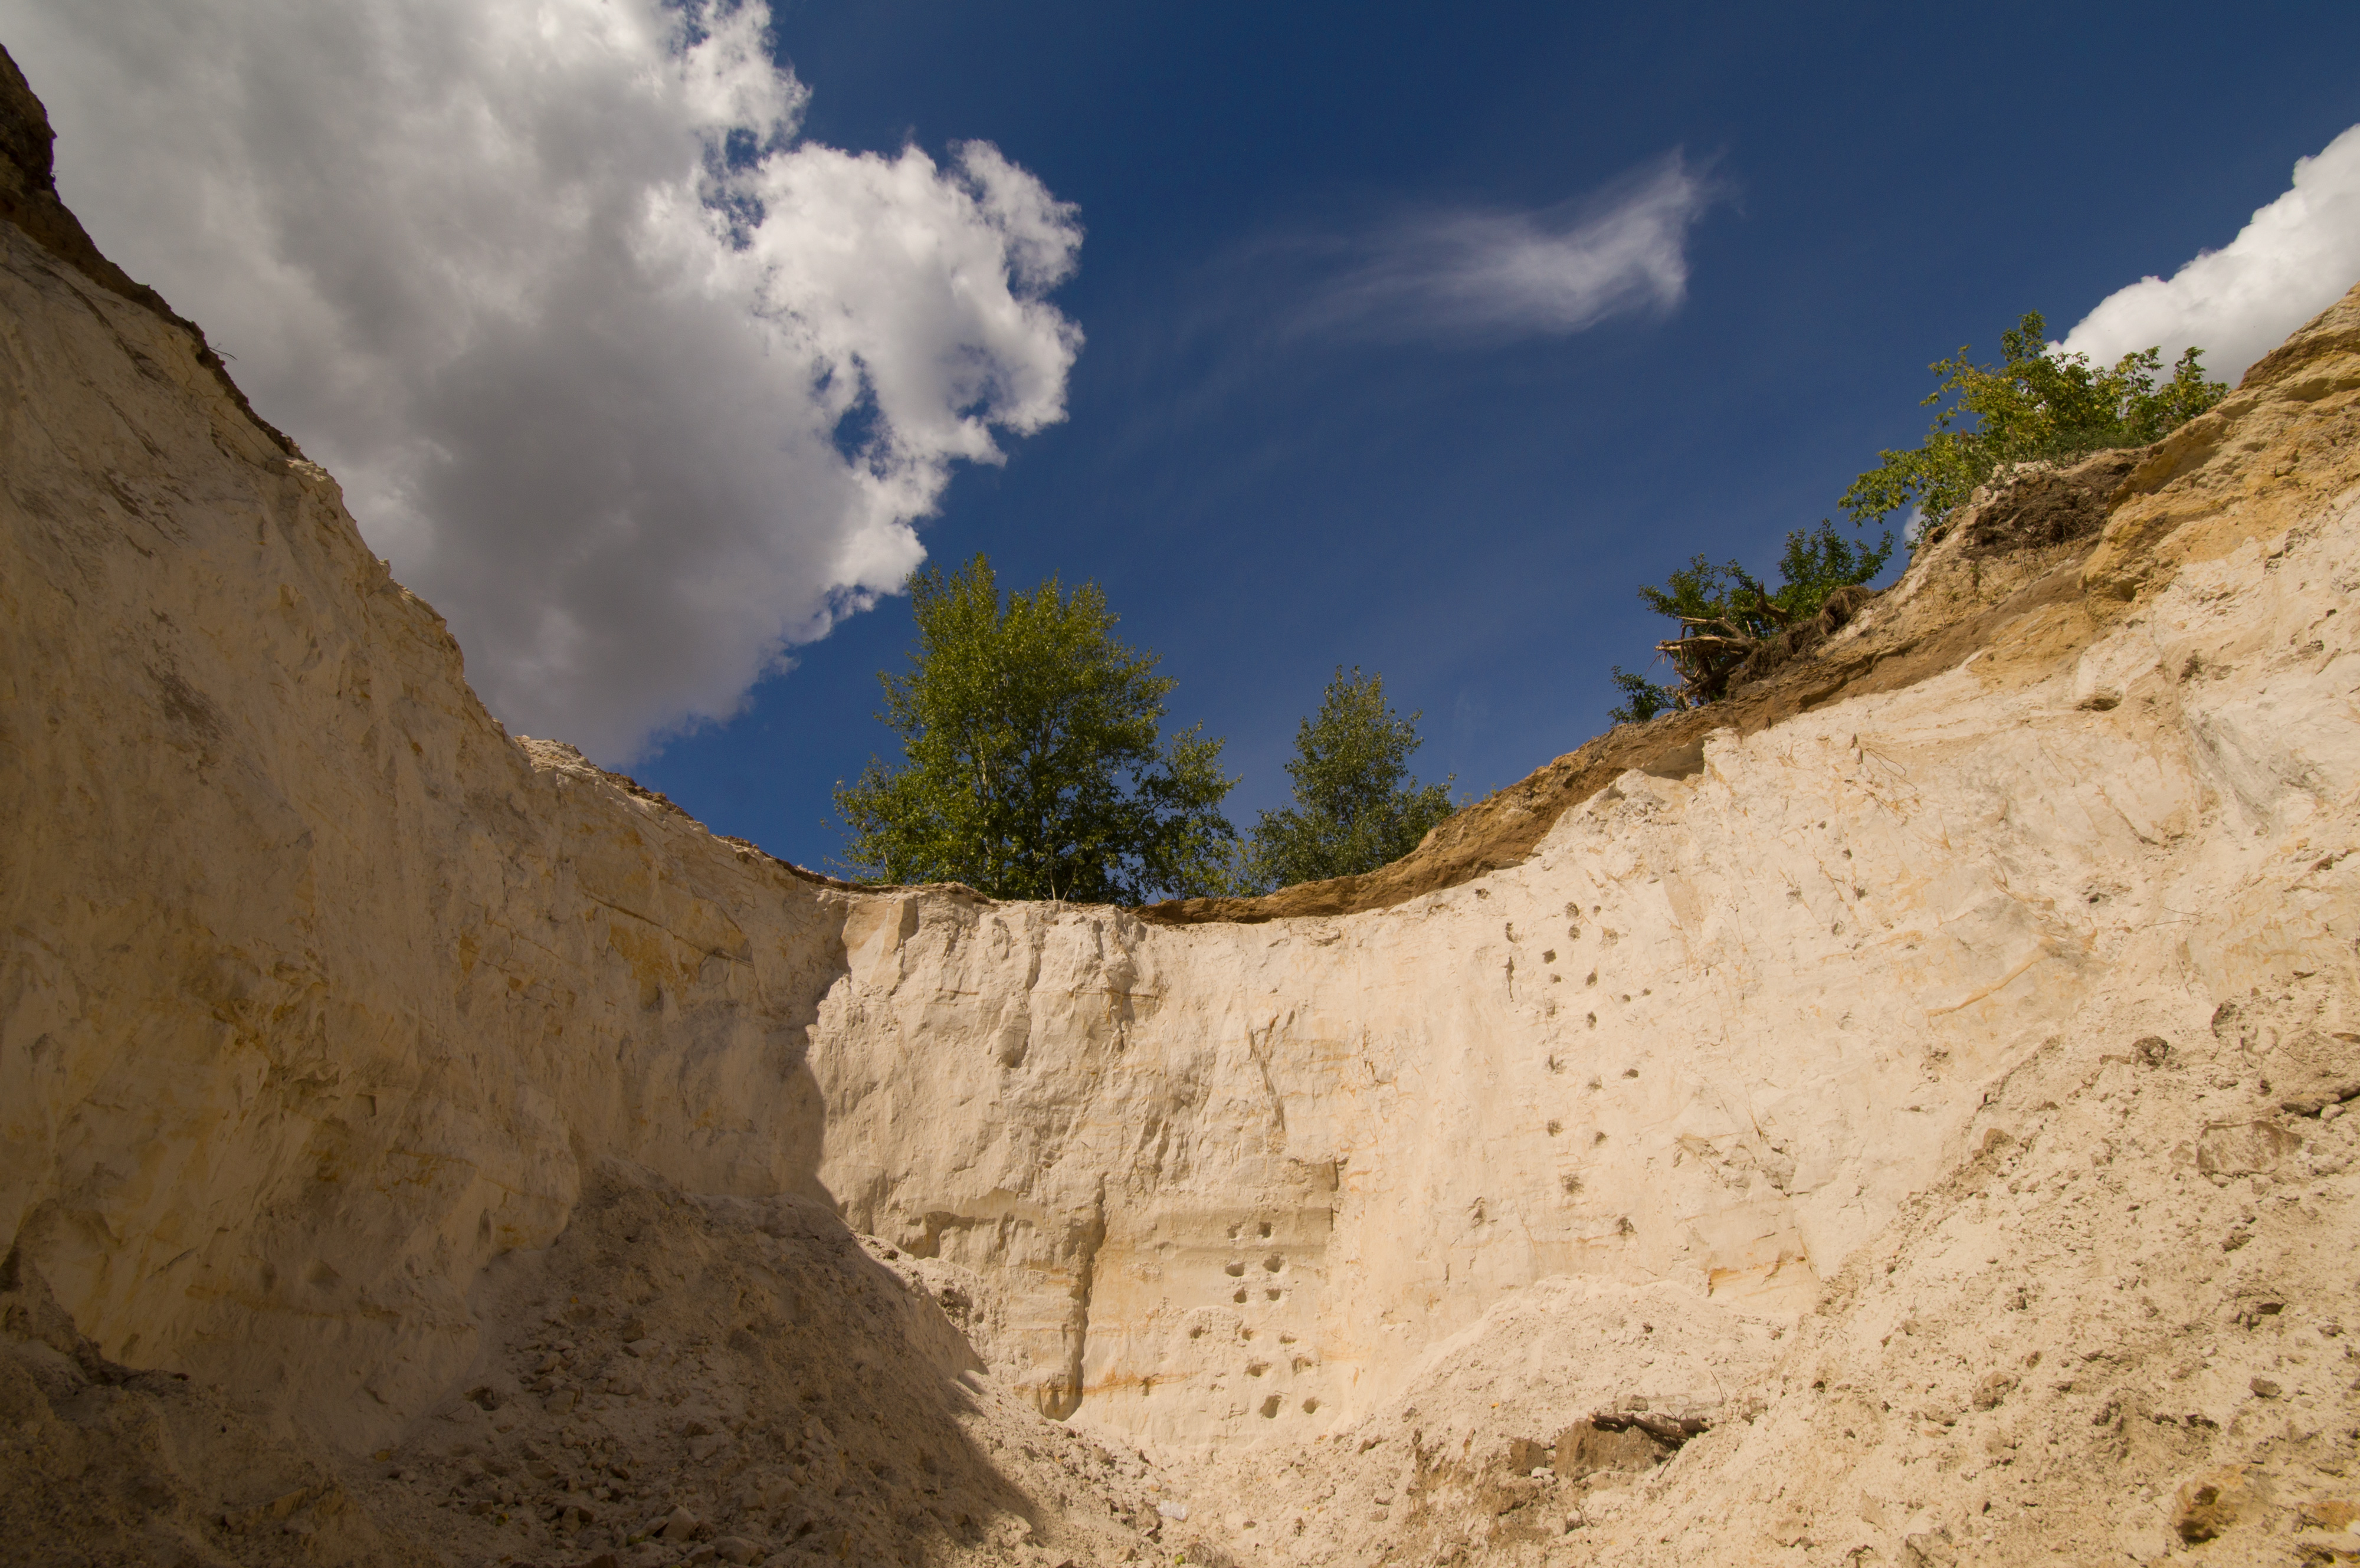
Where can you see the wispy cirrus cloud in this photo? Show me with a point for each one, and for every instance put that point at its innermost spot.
(1484, 275)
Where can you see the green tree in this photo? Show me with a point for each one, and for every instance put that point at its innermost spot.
(1725, 614)
(1355, 807)
(1641, 698)
(1034, 765)
(1814, 564)
(2035, 404)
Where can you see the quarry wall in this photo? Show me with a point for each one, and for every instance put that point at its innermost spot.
(321, 992)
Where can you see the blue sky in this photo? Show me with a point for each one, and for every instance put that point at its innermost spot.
(1472, 517)
(1291, 401)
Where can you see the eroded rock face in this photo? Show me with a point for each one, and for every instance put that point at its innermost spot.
(1676, 1083)
(1717, 1030)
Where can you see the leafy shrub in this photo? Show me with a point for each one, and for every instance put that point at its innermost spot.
(1726, 615)
(2035, 406)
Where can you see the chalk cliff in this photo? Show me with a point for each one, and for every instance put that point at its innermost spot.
(1893, 1115)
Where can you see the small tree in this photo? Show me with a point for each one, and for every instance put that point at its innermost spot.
(2035, 404)
(1034, 763)
(1725, 615)
(1641, 698)
(1355, 807)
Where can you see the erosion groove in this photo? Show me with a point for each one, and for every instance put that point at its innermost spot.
(1902, 1113)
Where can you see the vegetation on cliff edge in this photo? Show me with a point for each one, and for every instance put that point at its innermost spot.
(1035, 762)
(1356, 808)
(2035, 406)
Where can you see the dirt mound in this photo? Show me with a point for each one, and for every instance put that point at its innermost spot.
(676, 1379)
(101, 1464)
(2046, 504)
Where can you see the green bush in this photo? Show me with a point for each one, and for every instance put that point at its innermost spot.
(1641, 698)
(1725, 614)
(2034, 406)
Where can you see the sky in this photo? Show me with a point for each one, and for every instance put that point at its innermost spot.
(655, 345)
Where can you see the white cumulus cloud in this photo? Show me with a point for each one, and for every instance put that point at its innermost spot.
(2297, 256)
(1489, 274)
(633, 385)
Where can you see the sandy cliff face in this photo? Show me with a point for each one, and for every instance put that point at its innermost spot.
(1733, 1012)
(1940, 1045)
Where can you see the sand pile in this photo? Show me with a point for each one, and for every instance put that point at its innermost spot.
(678, 1380)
